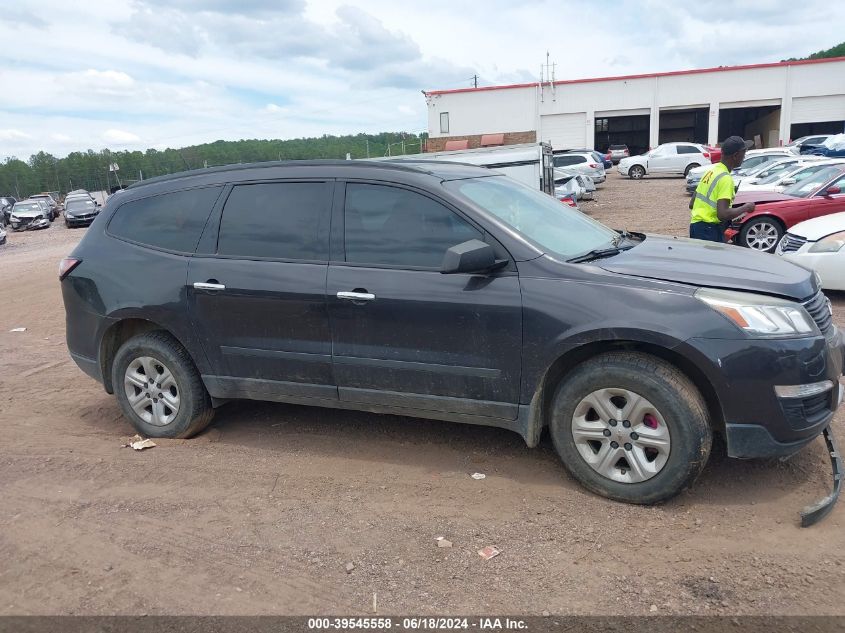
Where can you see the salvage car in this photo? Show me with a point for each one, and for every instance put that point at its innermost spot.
(585, 163)
(755, 160)
(2, 235)
(29, 214)
(52, 205)
(803, 169)
(808, 142)
(817, 195)
(618, 152)
(668, 158)
(80, 211)
(818, 245)
(447, 291)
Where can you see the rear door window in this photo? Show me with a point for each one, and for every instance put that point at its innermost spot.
(280, 220)
(170, 221)
(688, 149)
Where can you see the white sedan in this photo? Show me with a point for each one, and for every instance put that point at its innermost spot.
(819, 245)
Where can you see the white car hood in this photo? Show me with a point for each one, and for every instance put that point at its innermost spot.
(27, 214)
(817, 228)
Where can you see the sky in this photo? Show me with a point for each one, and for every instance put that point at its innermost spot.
(136, 74)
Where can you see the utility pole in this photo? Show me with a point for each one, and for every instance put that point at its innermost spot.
(367, 141)
(475, 81)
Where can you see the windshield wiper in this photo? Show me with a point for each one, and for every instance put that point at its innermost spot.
(597, 253)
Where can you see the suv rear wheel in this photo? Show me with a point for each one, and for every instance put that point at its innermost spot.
(631, 427)
(158, 387)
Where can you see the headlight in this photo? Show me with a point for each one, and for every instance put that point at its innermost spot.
(759, 315)
(14, 217)
(829, 244)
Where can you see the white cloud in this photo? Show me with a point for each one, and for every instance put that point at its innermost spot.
(165, 73)
(120, 136)
(11, 134)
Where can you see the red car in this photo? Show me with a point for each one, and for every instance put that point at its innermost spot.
(819, 194)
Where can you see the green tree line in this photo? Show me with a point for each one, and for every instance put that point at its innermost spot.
(833, 51)
(90, 169)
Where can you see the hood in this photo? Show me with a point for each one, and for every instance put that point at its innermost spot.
(760, 197)
(712, 265)
(28, 213)
(817, 228)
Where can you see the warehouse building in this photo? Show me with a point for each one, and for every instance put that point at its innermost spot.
(771, 103)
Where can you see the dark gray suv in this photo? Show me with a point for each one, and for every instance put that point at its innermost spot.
(446, 291)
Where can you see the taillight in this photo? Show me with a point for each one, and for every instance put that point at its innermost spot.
(593, 165)
(568, 201)
(67, 265)
(706, 154)
(627, 153)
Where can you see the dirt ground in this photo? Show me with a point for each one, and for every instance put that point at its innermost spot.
(262, 513)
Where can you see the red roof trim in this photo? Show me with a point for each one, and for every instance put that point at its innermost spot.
(672, 73)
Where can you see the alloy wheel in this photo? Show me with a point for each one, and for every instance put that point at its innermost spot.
(762, 236)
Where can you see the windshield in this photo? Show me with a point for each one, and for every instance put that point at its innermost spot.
(549, 223)
(74, 204)
(774, 172)
(28, 206)
(812, 179)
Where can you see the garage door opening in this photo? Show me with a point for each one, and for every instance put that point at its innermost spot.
(760, 124)
(688, 125)
(822, 127)
(630, 130)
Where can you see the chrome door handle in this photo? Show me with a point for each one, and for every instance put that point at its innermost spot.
(356, 296)
(199, 285)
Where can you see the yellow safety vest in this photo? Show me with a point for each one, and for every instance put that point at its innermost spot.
(704, 205)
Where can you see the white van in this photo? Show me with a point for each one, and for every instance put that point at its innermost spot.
(529, 163)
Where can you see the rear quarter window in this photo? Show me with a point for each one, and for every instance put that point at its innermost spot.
(571, 159)
(170, 221)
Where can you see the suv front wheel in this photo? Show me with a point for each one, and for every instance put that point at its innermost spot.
(158, 387)
(631, 427)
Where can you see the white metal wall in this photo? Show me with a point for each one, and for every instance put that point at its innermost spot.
(817, 90)
(564, 131)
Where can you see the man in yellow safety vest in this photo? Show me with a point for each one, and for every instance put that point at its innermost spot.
(711, 203)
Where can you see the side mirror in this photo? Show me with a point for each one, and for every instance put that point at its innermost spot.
(787, 181)
(473, 256)
(833, 190)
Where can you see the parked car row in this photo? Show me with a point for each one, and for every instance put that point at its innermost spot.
(813, 191)
(40, 210)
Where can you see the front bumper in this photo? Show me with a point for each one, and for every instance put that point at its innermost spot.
(692, 185)
(72, 220)
(25, 224)
(622, 169)
(744, 373)
(829, 266)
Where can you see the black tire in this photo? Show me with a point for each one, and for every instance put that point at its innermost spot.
(751, 230)
(194, 411)
(675, 398)
(636, 172)
(689, 168)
